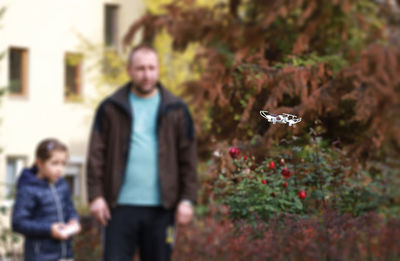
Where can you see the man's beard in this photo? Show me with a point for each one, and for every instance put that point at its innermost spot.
(143, 91)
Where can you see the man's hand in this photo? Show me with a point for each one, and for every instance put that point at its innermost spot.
(184, 212)
(100, 210)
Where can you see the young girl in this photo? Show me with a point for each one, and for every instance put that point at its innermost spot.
(43, 210)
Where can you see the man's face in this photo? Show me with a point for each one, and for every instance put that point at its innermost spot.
(143, 70)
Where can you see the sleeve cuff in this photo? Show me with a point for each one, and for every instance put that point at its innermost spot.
(187, 201)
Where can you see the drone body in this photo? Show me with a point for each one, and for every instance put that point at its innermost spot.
(283, 118)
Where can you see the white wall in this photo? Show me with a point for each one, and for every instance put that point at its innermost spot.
(49, 29)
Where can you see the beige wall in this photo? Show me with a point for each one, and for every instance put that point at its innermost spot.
(49, 29)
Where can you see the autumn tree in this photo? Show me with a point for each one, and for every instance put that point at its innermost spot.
(330, 61)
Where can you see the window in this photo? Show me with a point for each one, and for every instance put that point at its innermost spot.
(18, 71)
(14, 168)
(73, 64)
(111, 25)
(72, 176)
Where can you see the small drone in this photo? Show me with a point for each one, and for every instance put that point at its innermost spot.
(283, 118)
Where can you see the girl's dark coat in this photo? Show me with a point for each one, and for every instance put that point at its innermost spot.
(38, 205)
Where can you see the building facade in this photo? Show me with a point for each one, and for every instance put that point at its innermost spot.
(48, 79)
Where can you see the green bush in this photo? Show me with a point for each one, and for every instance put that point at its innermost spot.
(306, 179)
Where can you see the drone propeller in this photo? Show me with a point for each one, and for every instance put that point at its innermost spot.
(264, 114)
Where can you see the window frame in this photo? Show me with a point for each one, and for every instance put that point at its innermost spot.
(77, 95)
(24, 160)
(74, 170)
(115, 23)
(24, 71)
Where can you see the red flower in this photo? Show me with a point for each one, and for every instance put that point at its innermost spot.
(286, 172)
(302, 194)
(234, 152)
(244, 157)
(271, 165)
(264, 182)
(284, 184)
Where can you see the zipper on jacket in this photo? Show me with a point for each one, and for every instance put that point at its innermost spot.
(36, 247)
(60, 218)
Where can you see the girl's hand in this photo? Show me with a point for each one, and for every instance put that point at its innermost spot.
(56, 231)
(74, 222)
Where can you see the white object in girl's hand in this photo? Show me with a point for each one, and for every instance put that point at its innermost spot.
(70, 229)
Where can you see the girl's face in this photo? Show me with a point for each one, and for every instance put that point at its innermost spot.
(52, 168)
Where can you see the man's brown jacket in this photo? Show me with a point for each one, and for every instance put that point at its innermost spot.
(109, 148)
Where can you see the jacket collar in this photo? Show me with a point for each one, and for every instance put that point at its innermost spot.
(121, 97)
(29, 176)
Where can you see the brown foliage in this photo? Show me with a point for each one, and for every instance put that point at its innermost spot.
(240, 72)
(329, 237)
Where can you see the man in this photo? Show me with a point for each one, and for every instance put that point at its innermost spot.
(141, 168)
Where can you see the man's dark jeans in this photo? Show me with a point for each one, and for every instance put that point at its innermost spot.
(151, 229)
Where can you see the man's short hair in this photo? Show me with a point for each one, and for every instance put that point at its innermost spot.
(140, 47)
